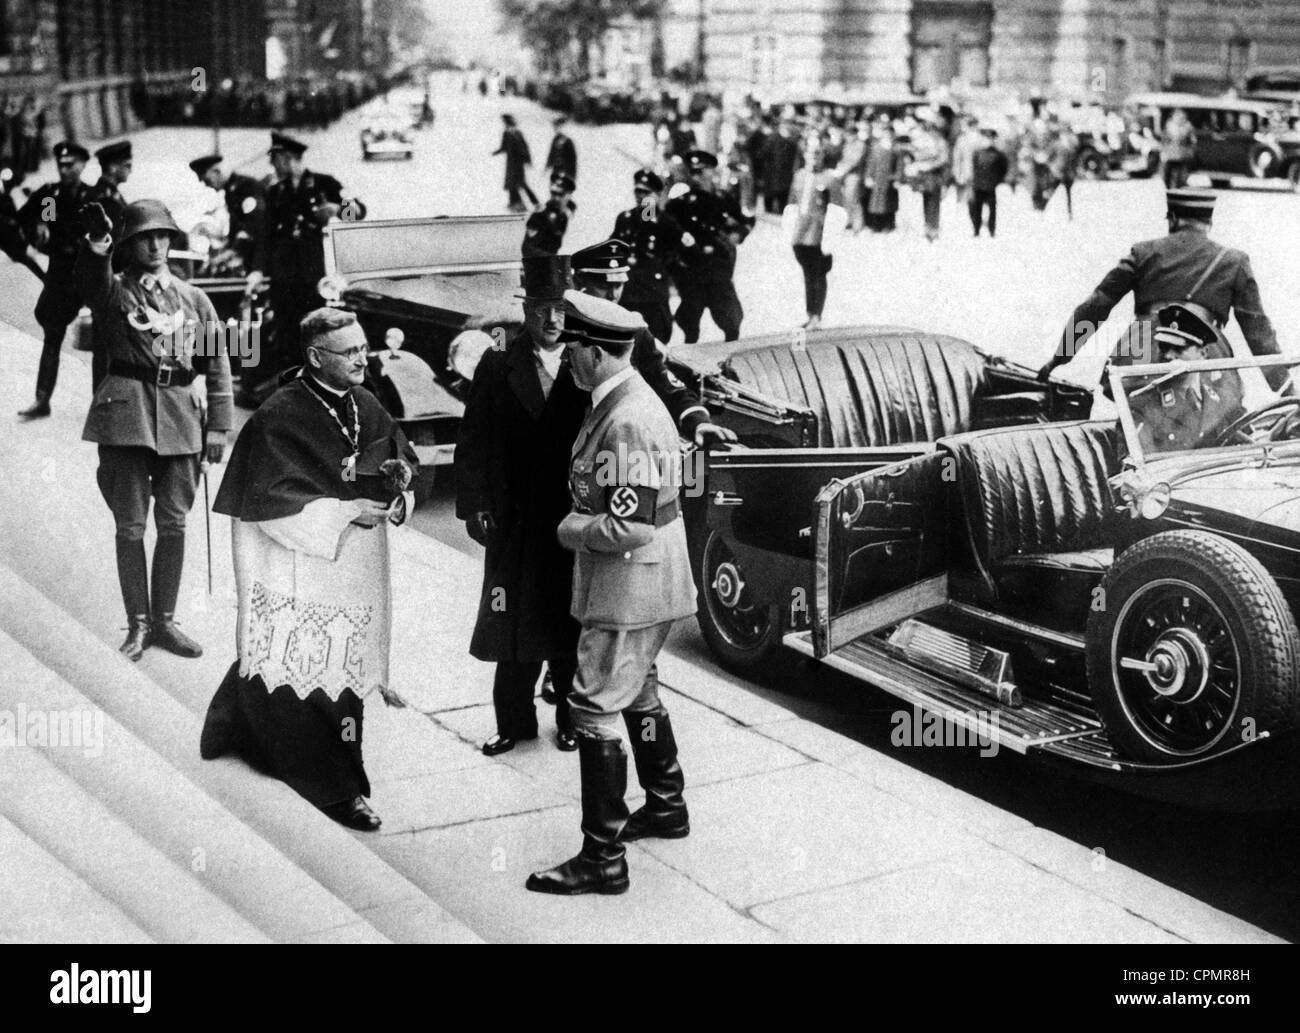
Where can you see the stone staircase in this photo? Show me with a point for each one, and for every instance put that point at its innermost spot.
(112, 829)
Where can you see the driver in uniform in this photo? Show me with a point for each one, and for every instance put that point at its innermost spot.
(1189, 410)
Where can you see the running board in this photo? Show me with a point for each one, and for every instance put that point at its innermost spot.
(1033, 724)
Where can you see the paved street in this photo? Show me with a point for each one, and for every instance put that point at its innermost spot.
(1009, 295)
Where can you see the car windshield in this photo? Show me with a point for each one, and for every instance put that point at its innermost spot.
(1224, 404)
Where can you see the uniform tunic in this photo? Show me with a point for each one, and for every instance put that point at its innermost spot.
(712, 225)
(655, 239)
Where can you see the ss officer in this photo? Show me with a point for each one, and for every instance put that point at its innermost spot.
(654, 238)
(631, 582)
(145, 416)
(49, 220)
(713, 226)
(291, 251)
(115, 164)
(545, 228)
(244, 197)
(1185, 267)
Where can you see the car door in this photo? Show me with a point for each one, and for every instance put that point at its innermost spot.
(1213, 139)
(763, 503)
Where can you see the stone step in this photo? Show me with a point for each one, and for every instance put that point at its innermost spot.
(142, 833)
(366, 894)
(44, 901)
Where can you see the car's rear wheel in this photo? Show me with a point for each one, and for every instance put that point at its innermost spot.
(1194, 648)
(1262, 160)
(742, 632)
(1091, 164)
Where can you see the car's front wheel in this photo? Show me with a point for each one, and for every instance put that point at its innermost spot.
(742, 632)
(1192, 648)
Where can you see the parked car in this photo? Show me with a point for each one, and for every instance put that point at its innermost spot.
(809, 410)
(1089, 594)
(1234, 137)
(387, 137)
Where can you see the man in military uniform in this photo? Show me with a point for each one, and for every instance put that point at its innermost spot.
(145, 416)
(115, 162)
(1186, 267)
(291, 252)
(544, 230)
(512, 455)
(244, 198)
(631, 582)
(654, 238)
(562, 158)
(713, 226)
(603, 271)
(1190, 410)
(49, 219)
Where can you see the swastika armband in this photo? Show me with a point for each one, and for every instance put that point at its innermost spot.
(635, 504)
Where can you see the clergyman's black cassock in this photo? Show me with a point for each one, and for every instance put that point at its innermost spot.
(290, 453)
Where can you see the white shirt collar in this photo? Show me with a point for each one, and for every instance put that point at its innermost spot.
(550, 360)
(602, 390)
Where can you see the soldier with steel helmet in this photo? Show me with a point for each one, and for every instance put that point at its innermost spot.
(158, 336)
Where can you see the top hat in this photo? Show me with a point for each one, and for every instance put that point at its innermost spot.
(118, 151)
(596, 321)
(200, 166)
(143, 216)
(546, 277)
(1191, 204)
(286, 143)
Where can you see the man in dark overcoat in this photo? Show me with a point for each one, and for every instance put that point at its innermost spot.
(512, 458)
(518, 158)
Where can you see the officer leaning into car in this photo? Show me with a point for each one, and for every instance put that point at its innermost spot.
(631, 582)
(244, 197)
(291, 251)
(654, 238)
(544, 231)
(1184, 267)
(145, 416)
(49, 220)
(1190, 409)
(713, 226)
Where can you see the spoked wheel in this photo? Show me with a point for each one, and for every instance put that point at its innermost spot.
(742, 632)
(1194, 649)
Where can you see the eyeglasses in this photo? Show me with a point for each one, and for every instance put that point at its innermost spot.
(352, 354)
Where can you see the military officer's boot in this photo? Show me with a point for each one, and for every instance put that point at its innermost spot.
(133, 577)
(655, 751)
(41, 407)
(600, 867)
(168, 560)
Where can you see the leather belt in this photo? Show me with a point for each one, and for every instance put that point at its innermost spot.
(668, 512)
(163, 376)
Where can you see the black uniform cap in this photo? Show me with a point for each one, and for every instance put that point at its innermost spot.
(1192, 204)
(698, 160)
(119, 151)
(564, 181)
(608, 260)
(200, 166)
(284, 142)
(645, 179)
(1179, 327)
(68, 149)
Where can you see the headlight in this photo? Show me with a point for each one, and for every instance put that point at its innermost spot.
(331, 288)
(466, 351)
(1154, 501)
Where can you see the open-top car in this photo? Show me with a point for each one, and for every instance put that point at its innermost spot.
(1120, 598)
(387, 136)
(809, 409)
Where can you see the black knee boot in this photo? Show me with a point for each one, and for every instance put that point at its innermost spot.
(600, 867)
(655, 751)
(168, 561)
(133, 577)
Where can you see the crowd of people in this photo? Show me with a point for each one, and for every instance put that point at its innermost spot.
(314, 101)
(22, 134)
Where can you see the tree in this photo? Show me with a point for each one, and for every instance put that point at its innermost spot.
(560, 33)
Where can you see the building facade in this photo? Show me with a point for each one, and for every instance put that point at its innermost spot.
(1073, 49)
(81, 58)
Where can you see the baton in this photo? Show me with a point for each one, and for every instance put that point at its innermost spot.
(207, 503)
